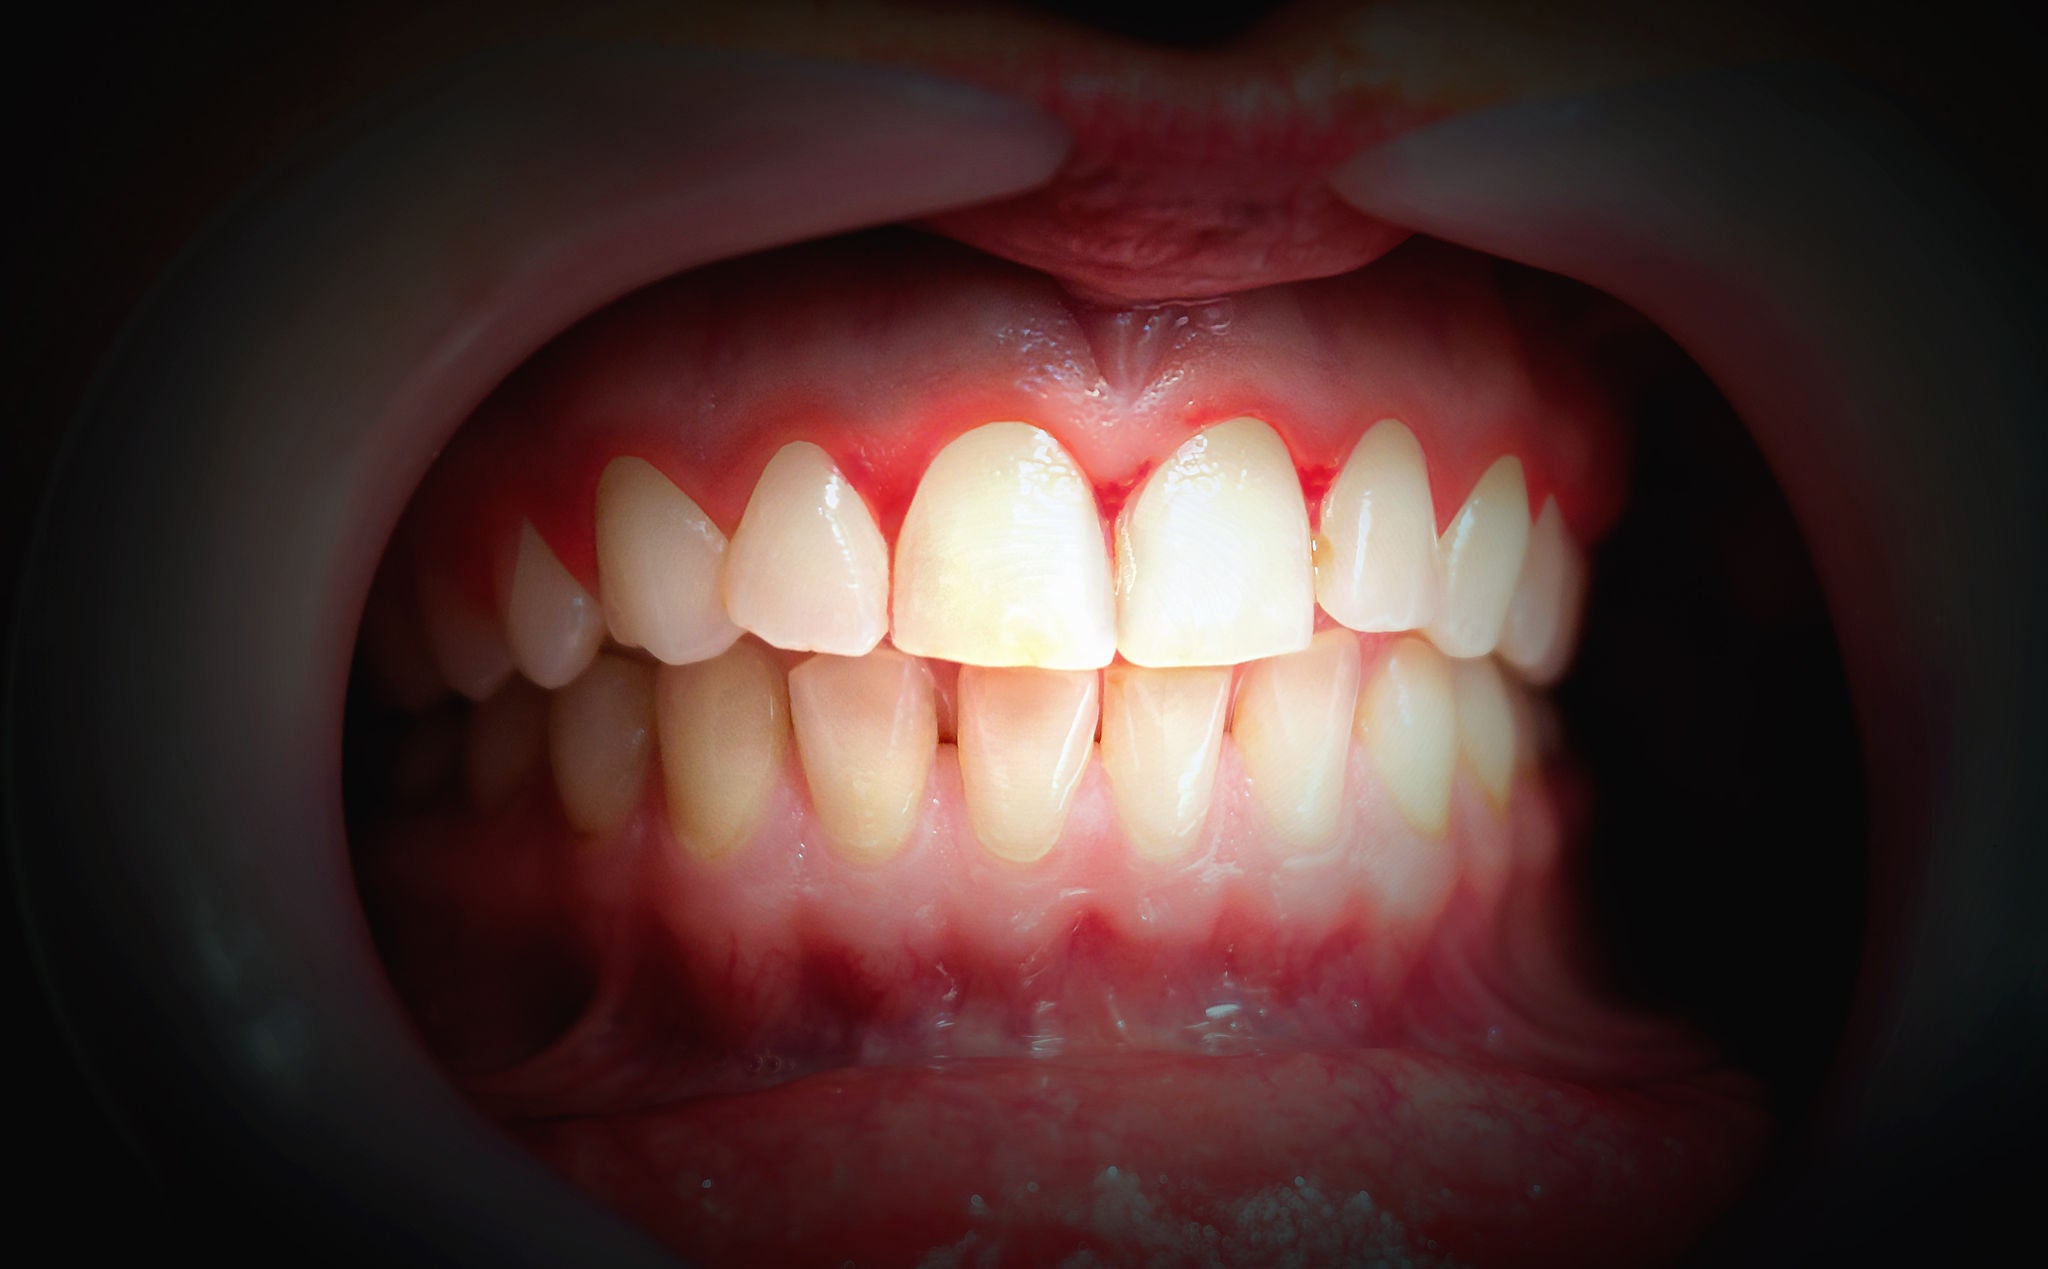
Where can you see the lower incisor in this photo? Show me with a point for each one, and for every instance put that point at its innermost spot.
(1025, 739)
(866, 733)
(724, 728)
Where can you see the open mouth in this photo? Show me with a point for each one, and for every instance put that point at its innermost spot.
(1122, 711)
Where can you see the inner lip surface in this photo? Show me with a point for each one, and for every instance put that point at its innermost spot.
(257, 1003)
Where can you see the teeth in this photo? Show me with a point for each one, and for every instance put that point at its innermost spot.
(1542, 623)
(658, 561)
(808, 569)
(1212, 555)
(1001, 559)
(1376, 565)
(467, 643)
(1024, 741)
(1162, 731)
(503, 741)
(1292, 726)
(598, 737)
(724, 726)
(1482, 558)
(866, 732)
(1408, 721)
(1486, 725)
(551, 622)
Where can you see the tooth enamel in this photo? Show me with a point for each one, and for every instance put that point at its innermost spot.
(658, 563)
(1025, 736)
(1212, 554)
(1293, 728)
(866, 733)
(551, 622)
(467, 643)
(1001, 560)
(1482, 554)
(1162, 731)
(1542, 623)
(1407, 719)
(724, 727)
(808, 569)
(503, 741)
(1486, 724)
(1376, 565)
(598, 738)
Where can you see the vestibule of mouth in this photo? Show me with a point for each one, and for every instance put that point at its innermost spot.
(843, 695)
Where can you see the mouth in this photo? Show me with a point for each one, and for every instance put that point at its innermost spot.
(1120, 723)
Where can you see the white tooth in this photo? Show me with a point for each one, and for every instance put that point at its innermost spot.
(1482, 558)
(467, 641)
(1162, 731)
(866, 733)
(551, 622)
(598, 738)
(1025, 736)
(808, 569)
(1543, 620)
(1407, 718)
(1486, 724)
(1293, 731)
(1001, 559)
(658, 562)
(1376, 565)
(724, 726)
(504, 740)
(1212, 554)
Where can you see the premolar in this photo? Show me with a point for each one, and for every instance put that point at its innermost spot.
(598, 737)
(807, 569)
(1541, 630)
(866, 731)
(658, 563)
(1408, 721)
(1482, 552)
(1000, 561)
(724, 727)
(1376, 564)
(1212, 555)
(1025, 737)
(1292, 726)
(551, 622)
(1162, 732)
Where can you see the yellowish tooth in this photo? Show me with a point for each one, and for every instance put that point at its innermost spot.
(1001, 560)
(1162, 731)
(658, 563)
(1376, 565)
(866, 732)
(1542, 626)
(1025, 736)
(1486, 725)
(1482, 554)
(1293, 731)
(1212, 554)
(724, 727)
(503, 742)
(808, 569)
(598, 739)
(467, 643)
(553, 625)
(1407, 718)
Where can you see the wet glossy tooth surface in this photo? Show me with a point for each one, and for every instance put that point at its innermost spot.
(1001, 561)
(1293, 730)
(659, 558)
(553, 625)
(808, 569)
(503, 742)
(866, 732)
(1376, 565)
(724, 728)
(1542, 624)
(598, 739)
(1212, 554)
(1407, 719)
(1486, 725)
(1025, 737)
(1162, 731)
(1482, 552)
(467, 643)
